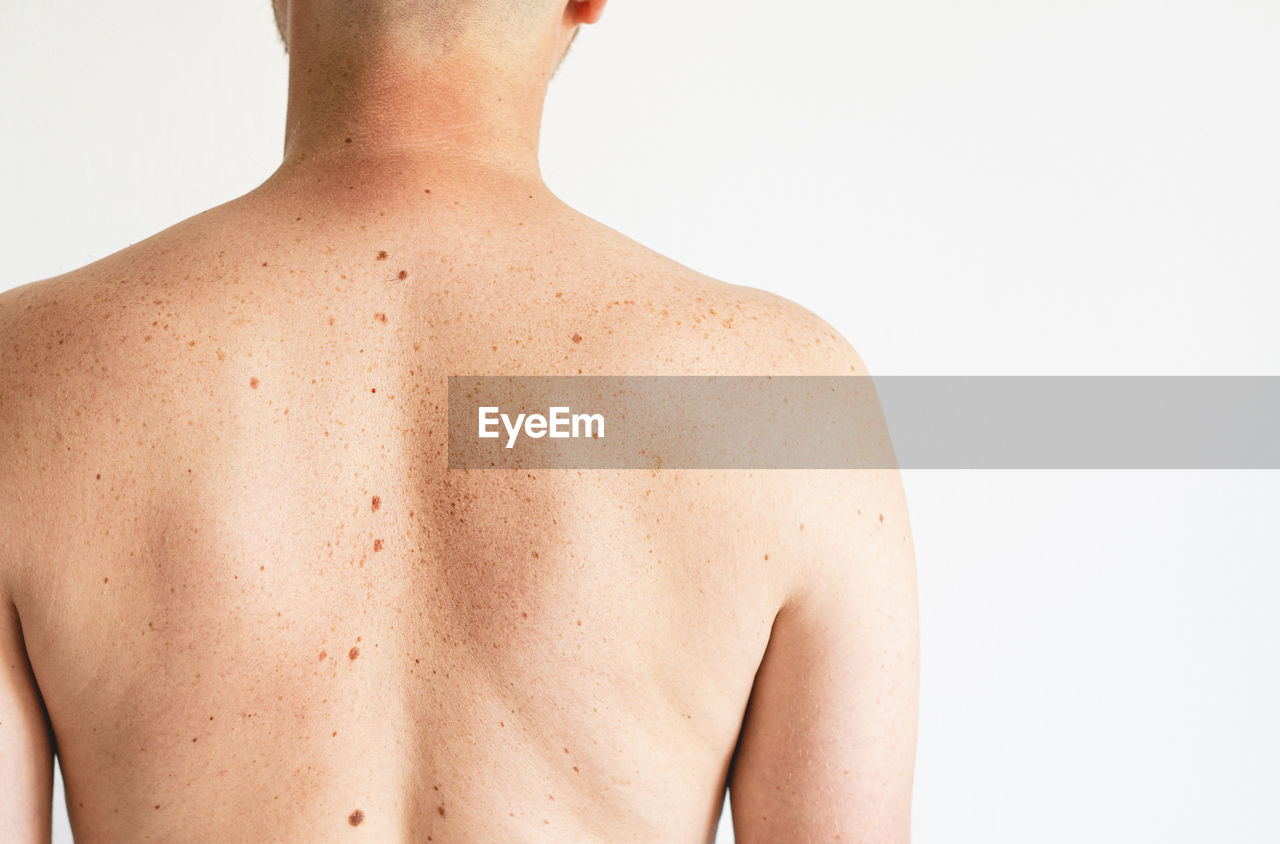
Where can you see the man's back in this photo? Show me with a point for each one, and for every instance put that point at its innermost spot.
(259, 606)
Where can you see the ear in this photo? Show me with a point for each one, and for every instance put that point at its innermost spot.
(583, 11)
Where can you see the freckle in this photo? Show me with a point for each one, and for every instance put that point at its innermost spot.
(376, 503)
(579, 624)
(335, 734)
(98, 478)
(577, 338)
(323, 654)
(254, 382)
(766, 556)
(377, 544)
(524, 615)
(382, 255)
(353, 653)
(380, 317)
(566, 750)
(104, 580)
(440, 809)
(347, 141)
(882, 518)
(402, 275)
(801, 527)
(357, 817)
(157, 805)
(331, 320)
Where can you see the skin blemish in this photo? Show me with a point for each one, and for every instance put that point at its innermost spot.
(104, 580)
(377, 544)
(382, 256)
(376, 503)
(577, 338)
(331, 320)
(380, 317)
(402, 275)
(253, 383)
(374, 390)
(222, 355)
(353, 653)
(347, 141)
(440, 809)
(357, 817)
(98, 478)
(323, 654)
(882, 518)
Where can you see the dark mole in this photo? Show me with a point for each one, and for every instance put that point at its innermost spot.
(254, 382)
(356, 818)
(376, 503)
(104, 580)
(577, 338)
(440, 809)
(377, 544)
(382, 256)
(347, 141)
(402, 275)
(353, 653)
(98, 478)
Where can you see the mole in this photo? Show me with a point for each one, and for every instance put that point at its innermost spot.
(382, 255)
(253, 383)
(577, 338)
(377, 544)
(353, 653)
(440, 809)
(355, 818)
(402, 275)
(376, 503)
(347, 141)
(380, 317)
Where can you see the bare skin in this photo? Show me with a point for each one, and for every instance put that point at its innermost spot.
(250, 601)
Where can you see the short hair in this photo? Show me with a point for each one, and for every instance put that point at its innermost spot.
(439, 15)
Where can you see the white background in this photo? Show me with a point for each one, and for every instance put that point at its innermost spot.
(994, 187)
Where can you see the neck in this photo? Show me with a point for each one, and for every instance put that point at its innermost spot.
(361, 97)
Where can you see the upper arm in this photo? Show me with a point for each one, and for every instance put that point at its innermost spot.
(828, 744)
(26, 742)
(827, 747)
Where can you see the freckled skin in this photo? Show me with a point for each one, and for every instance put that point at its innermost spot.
(621, 615)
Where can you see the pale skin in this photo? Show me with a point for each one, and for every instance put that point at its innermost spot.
(246, 595)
